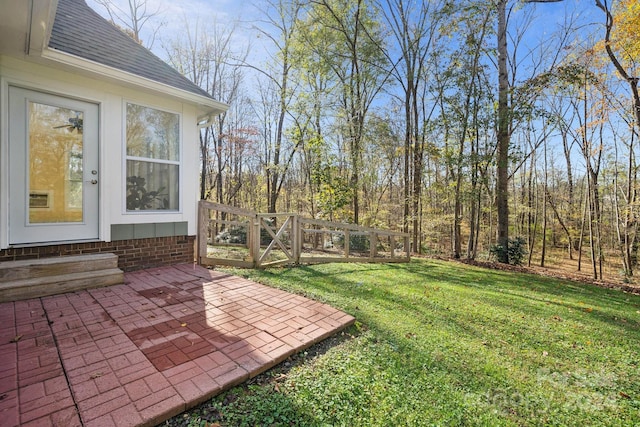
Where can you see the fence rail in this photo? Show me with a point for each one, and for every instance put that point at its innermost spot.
(242, 238)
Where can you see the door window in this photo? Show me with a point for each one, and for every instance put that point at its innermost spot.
(55, 164)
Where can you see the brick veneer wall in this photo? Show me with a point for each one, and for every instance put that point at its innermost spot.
(132, 254)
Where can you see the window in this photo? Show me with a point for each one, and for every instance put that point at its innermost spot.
(153, 159)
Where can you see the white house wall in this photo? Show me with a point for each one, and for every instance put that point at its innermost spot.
(111, 99)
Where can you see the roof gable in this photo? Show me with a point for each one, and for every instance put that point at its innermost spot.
(80, 31)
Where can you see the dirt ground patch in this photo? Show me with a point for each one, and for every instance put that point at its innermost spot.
(559, 272)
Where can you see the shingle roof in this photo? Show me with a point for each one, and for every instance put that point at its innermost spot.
(80, 31)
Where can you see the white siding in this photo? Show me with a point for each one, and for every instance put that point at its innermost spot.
(111, 99)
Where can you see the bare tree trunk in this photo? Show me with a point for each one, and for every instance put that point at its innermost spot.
(407, 171)
(619, 220)
(474, 214)
(570, 203)
(502, 152)
(582, 225)
(629, 221)
(592, 243)
(561, 222)
(418, 157)
(204, 162)
(533, 226)
(543, 251)
(532, 206)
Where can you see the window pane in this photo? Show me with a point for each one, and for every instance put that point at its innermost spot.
(152, 133)
(55, 164)
(152, 186)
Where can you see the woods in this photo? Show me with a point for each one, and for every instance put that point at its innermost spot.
(461, 122)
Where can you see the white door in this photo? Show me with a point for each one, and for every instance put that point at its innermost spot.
(53, 168)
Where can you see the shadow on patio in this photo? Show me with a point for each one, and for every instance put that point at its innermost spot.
(139, 353)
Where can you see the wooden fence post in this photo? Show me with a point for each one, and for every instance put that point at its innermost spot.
(295, 239)
(203, 231)
(392, 245)
(373, 245)
(347, 241)
(254, 229)
(407, 247)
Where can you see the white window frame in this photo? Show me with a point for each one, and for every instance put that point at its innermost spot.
(126, 157)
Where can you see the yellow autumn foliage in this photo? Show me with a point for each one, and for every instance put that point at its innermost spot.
(625, 40)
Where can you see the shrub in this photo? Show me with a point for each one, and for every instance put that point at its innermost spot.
(237, 234)
(234, 234)
(516, 251)
(357, 242)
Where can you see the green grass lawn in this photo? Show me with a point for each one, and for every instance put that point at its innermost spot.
(440, 343)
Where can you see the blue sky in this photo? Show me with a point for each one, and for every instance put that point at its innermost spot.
(248, 13)
(172, 13)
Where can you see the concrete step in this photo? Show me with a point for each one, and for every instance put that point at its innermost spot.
(49, 276)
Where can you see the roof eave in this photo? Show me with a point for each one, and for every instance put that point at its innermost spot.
(42, 13)
(207, 107)
(25, 26)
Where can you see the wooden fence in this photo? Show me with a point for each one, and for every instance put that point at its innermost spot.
(243, 238)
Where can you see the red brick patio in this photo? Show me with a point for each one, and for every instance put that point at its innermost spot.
(142, 352)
